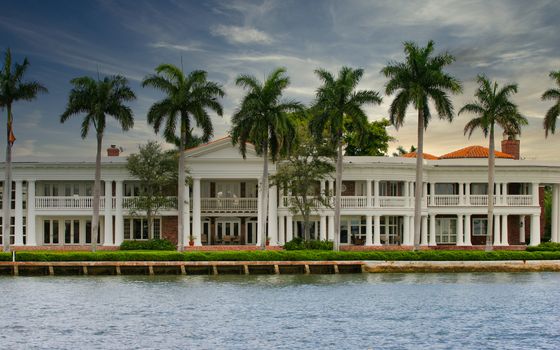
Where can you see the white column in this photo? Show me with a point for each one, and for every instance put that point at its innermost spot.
(119, 220)
(468, 230)
(425, 193)
(504, 240)
(504, 193)
(461, 193)
(433, 229)
(406, 230)
(432, 192)
(323, 227)
(460, 235)
(424, 236)
(554, 213)
(497, 234)
(498, 193)
(522, 225)
(376, 193)
(31, 234)
(406, 194)
(368, 230)
(281, 229)
(369, 197)
(273, 215)
(187, 216)
(107, 216)
(377, 230)
(535, 229)
(289, 228)
(330, 236)
(259, 212)
(18, 214)
(197, 219)
(535, 193)
(322, 188)
(468, 193)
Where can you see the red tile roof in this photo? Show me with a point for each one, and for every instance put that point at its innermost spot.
(474, 152)
(424, 155)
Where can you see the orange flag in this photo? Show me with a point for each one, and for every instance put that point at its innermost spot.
(11, 137)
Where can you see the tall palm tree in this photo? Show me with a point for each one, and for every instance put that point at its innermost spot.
(13, 88)
(262, 119)
(494, 108)
(97, 99)
(554, 111)
(337, 99)
(187, 100)
(416, 81)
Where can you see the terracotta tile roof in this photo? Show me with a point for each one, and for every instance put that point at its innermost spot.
(474, 152)
(425, 156)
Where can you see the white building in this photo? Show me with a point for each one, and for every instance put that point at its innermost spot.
(52, 201)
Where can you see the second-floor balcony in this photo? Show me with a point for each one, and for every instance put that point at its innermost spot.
(229, 205)
(512, 200)
(356, 202)
(69, 202)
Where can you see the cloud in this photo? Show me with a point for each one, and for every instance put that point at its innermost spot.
(241, 35)
(178, 47)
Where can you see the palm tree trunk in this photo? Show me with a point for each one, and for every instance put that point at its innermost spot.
(180, 191)
(336, 238)
(419, 179)
(490, 226)
(7, 193)
(264, 192)
(96, 195)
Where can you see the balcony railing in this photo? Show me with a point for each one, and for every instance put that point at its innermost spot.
(229, 204)
(132, 203)
(438, 200)
(72, 202)
(481, 200)
(393, 202)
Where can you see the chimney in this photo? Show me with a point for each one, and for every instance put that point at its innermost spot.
(511, 145)
(113, 151)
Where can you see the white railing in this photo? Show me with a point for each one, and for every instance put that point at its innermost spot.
(519, 200)
(228, 204)
(131, 203)
(393, 202)
(353, 202)
(444, 200)
(72, 202)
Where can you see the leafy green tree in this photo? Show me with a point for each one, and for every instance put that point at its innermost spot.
(300, 173)
(494, 108)
(373, 140)
(401, 151)
(156, 171)
(554, 111)
(187, 99)
(416, 81)
(97, 99)
(13, 88)
(262, 119)
(338, 100)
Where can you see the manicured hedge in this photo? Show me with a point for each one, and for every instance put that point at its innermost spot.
(545, 247)
(5, 256)
(294, 255)
(151, 244)
(299, 244)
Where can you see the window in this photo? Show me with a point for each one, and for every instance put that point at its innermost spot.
(446, 230)
(51, 231)
(479, 189)
(72, 231)
(12, 230)
(89, 231)
(137, 228)
(390, 188)
(446, 188)
(391, 228)
(479, 226)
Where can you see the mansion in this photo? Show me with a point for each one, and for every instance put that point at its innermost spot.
(52, 201)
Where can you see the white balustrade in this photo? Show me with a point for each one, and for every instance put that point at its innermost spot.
(444, 200)
(132, 203)
(392, 202)
(519, 200)
(71, 202)
(228, 204)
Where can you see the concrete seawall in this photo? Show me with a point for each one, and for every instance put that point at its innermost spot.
(462, 266)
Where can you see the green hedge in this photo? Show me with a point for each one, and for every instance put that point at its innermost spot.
(545, 247)
(151, 244)
(299, 244)
(5, 256)
(271, 255)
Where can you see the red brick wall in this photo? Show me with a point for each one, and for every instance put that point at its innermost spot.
(511, 147)
(169, 228)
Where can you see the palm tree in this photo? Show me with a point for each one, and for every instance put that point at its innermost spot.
(187, 99)
(401, 151)
(262, 119)
(12, 89)
(416, 81)
(336, 100)
(97, 99)
(493, 108)
(554, 111)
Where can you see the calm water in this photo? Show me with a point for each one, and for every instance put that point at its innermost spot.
(365, 311)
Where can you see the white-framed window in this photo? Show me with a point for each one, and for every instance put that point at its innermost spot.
(391, 229)
(390, 188)
(447, 188)
(51, 231)
(479, 189)
(446, 230)
(479, 226)
(72, 231)
(137, 228)
(12, 230)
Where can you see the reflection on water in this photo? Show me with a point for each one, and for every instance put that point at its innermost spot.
(377, 311)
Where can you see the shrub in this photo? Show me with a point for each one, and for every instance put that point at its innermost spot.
(545, 247)
(128, 255)
(299, 244)
(151, 244)
(5, 256)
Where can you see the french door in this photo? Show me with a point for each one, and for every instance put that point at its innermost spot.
(251, 232)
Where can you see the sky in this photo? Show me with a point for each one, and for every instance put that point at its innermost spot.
(509, 41)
